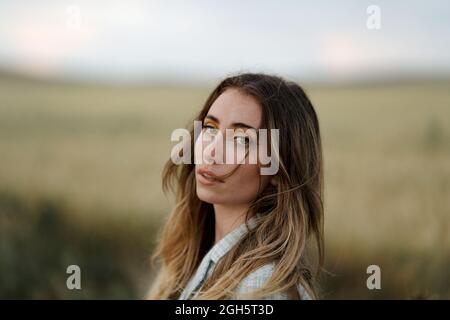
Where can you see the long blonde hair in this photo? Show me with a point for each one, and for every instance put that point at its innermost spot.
(290, 212)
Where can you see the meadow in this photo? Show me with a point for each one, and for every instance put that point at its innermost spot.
(80, 183)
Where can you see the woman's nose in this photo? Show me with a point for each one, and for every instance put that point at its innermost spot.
(213, 149)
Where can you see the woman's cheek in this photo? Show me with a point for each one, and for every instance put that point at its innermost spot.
(245, 184)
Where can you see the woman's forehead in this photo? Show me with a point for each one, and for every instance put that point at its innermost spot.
(233, 106)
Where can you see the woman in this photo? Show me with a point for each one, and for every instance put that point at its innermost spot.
(235, 233)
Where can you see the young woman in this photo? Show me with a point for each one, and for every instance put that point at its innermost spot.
(235, 233)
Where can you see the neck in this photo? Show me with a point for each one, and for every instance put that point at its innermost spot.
(227, 218)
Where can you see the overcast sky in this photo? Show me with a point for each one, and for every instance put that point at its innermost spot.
(202, 40)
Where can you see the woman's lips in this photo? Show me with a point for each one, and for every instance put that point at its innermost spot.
(206, 177)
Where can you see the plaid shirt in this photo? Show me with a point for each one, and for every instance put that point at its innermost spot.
(253, 281)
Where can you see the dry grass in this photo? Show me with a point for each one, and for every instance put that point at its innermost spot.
(100, 151)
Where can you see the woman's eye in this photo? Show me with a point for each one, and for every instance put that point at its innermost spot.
(242, 140)
(210, 129)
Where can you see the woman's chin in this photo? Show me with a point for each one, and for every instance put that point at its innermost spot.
(207, 196)
(210, 196)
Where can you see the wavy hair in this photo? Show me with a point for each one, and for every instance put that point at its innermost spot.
(289, 214)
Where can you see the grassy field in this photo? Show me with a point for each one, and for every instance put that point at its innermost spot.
(80, 173)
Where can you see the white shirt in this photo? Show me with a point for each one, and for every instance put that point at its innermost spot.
(251, 282)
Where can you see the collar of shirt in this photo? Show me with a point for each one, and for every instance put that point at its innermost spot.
(226, 243)
(214, 255)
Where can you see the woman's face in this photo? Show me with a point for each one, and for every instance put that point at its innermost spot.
(235, 110)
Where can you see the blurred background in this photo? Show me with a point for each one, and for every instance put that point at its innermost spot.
(90, 92)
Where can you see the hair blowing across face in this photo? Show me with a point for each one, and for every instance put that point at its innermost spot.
(291, 212)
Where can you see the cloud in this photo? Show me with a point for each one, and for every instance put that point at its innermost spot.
(145, 39)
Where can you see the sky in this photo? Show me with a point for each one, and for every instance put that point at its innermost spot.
(195, 41)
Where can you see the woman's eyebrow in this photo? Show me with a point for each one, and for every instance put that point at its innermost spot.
(212, 118)
(234, 125)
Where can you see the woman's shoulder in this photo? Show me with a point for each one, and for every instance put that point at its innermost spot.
(257, 278)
